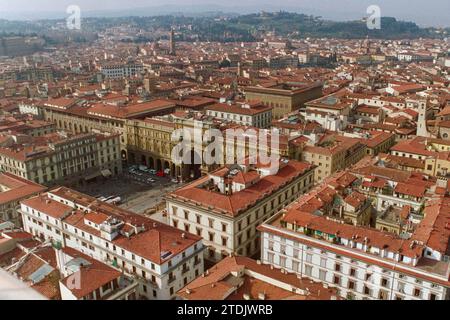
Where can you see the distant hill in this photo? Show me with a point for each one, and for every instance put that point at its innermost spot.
(301, 25)
(219, 26)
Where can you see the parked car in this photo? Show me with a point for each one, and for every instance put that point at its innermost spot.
(160, 174)
(174, 180)
(152, 171)
(114, 200)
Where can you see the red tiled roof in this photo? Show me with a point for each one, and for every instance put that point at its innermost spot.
(234, 203)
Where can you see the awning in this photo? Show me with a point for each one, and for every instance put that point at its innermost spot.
(92, 176)
(106, 173)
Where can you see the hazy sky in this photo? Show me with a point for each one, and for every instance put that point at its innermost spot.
(424, 12)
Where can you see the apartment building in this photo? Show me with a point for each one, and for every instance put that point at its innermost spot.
(61, 157)
(247, 114)
(332, 105)
(13, 189)
(73, 116)
(364, 113)
(242, 278)
(227, 205)
(84, 278)
(362, 262)
(378, 142)
(333, 153)
(121, 70)
(150, 143)
(327, 120)
(26, 125)
(161, 258)
(282, 62)
(432, 153)
(284, 98)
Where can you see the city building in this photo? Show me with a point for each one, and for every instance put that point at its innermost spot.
(161, 258)
(362, 262)
(333, 153)
(61, 157)
(13, 189)
(247, 114)
(241, 278)
(284, 98)
(227, 205)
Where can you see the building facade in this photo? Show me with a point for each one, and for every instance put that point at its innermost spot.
(161, 258)
(225, 207)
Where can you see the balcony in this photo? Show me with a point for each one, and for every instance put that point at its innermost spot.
(171, 279)
(184, 270)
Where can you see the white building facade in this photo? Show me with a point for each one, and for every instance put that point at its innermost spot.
(70, 219)
(357, 271)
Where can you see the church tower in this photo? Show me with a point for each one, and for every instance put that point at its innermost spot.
(422, 120)
(172, 42)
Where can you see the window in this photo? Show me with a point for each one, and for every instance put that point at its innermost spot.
(322, 275)
(337, 280)
(352, 272)
(308, 271)
(283, 262)
(416, 292)
(351, 285)
(337, 267)
(383, 295)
